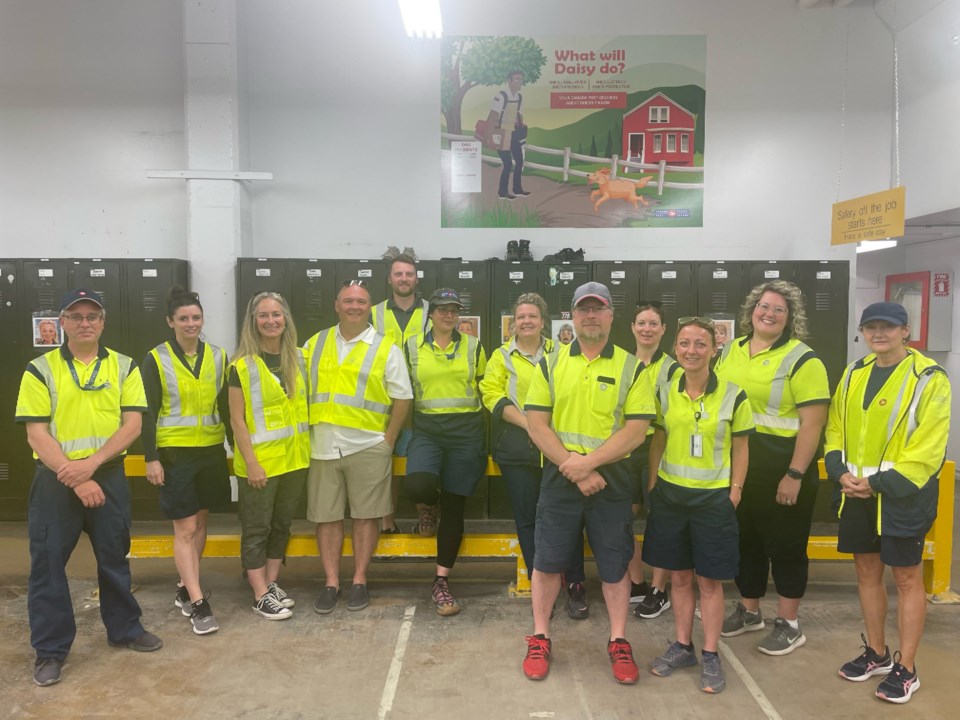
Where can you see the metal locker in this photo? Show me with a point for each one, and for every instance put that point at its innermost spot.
(147, 285)
(16, 466)
(104, 277)
(559, 280)
(313, 293)
(672, 284)
(471, 280)
(757, 273)
(622, 278)
(257, 275)
(372, 272)
(826, 287)
(509, 280)
(428, 274)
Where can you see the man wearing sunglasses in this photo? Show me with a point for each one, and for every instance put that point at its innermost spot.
(81, 404)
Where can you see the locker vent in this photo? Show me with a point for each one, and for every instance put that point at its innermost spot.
(314, 300)
(719, 301)
(619, 299)
(4, 473)
(669, 300)
(822, 301)
(466, 297)
(45, 299)
(150, 300)
(566, 296)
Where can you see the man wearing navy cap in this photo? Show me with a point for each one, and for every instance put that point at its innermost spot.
(81, 404)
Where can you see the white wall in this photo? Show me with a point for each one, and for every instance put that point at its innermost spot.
(91, 95)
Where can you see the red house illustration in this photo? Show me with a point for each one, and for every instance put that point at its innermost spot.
(659, 129)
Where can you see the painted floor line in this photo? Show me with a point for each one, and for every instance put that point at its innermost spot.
(765, 705)
(396, 665)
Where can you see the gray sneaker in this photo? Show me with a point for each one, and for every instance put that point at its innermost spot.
(202, 619)
(674, 658)
(281, 595)
(46, 671)
(357, 598)
(327, 601)
(711, 676)
(783, 640)
(741, 621)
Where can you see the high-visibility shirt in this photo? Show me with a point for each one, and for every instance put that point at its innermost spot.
(85, 411)
(658, 372)
(716, 417)
(508, 374)
(279, 426)
(590, 400)
(188, 415)
(778, 380)
(385, 322)
(351, 392)
(445, 378)
(899, 441)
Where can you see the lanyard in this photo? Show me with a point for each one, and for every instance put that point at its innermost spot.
(89, 385)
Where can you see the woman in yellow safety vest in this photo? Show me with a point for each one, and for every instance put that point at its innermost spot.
(183, 434)
(268, 412)
(447, 448)
(692, 525)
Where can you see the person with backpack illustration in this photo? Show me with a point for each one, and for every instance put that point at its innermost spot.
(506, 132)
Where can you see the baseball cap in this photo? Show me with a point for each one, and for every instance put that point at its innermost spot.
(445, 296)
(592, 290)
(75, 296)
(890, 311)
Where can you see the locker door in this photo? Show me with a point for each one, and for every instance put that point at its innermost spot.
(757, 273)
(718, 295)
(373, 272)
(105, 277)
(15, 463)
(671, 284)
(509, 280)
(471, 280)
(826, 287)
(43, 284)
(147, 285)
(623, 280)
(559, 280)
(313, 293)
(428, 274)
(257, 275)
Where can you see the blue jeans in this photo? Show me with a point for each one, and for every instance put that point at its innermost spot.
(56, 517)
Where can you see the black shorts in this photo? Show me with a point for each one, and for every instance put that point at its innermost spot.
(858, 534)
(194, 479)
(639, 464)
(692, 529)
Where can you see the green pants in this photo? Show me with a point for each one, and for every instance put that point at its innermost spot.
(265, 517)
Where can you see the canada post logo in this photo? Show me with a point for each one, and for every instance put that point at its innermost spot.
(671, 213)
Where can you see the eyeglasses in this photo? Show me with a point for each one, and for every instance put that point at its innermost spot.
(590, 309)
(352, 283)
(704, 322)
(77, 318)
(775, 309)
(447, 309)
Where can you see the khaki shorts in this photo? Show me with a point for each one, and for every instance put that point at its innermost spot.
(362, 478)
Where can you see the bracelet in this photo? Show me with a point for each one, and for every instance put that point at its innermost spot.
(736, 485)
(794, 473)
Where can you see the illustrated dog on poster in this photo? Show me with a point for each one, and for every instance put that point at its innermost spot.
(616, 188)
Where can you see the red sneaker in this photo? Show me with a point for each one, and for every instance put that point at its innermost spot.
(536, 664)
(624, 668)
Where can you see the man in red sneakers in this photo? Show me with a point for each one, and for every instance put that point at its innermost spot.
(586, 412)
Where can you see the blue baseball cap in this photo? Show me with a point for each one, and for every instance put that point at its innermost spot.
(445, 296)
(75, 296)
(890, 311)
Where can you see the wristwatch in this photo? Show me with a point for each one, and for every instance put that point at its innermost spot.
(795, 474)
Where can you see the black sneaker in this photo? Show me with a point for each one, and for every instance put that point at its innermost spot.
(148, 642)
(521, 193)
(47, 671)
(281, 595)
(638, 592)
(868, 664)
(900, 685)
(182, 600)
(270, 608)
(577, 607)
(653, 605)
(507, 197)
(202, 619)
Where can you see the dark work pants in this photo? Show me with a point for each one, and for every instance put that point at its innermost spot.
(774, 537)
(56, 519)
(512, 161)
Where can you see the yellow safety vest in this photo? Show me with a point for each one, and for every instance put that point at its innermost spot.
(278, 426)
(385, 322)
(188, 414)
(444, 382)
(659, 373)
(352, 393)
(509, 373)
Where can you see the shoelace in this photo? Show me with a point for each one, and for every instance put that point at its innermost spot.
(711, 665)
(621, 653)
(427, 517)
(441, 594)
(537, 647)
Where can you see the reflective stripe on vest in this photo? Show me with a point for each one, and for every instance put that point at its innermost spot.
(513, 376)
(358, 399)
(378, 318)
(255, 402)
(176, 417)
(470, 401)
(315, 354)
(626, 376)
(780, 381)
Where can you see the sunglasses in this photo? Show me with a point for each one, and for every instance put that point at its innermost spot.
(704, 322)
(352, 283)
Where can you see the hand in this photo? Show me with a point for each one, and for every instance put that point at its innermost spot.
(390, 440)
(855, 487)
(90, 494)
(256, 477)
(735, 495)
(788, 490)
(75, 472)
(154, 472)
(577, 468)
(593, 484)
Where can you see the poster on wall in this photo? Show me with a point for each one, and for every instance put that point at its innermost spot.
(46, 330)
(573, 132)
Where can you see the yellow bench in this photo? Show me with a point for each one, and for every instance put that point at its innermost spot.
(937, 550)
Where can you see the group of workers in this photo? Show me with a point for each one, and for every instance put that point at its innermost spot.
(722, 450)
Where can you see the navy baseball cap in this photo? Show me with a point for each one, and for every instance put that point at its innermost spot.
(890, 311)
(445, 296)
(592, 290)
(75, 296)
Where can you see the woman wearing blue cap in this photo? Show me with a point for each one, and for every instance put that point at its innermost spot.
(446, 456)
(886, 441)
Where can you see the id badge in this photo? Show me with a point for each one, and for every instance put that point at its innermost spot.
(696, 445)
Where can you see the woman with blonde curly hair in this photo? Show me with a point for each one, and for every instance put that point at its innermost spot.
(268, 413)
(788, 390)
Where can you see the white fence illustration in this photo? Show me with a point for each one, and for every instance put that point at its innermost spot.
(615, 163)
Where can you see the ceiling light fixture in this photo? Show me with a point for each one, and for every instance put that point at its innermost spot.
(421, 18)
(871, 245)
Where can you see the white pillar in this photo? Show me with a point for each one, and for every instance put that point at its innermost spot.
(218, 211)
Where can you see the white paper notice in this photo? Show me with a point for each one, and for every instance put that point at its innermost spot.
(465, 166)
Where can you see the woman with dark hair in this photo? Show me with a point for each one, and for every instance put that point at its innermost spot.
(268, 412)
(183, 434)
(789, 393)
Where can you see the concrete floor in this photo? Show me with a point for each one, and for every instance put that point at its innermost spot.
(398, 659)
